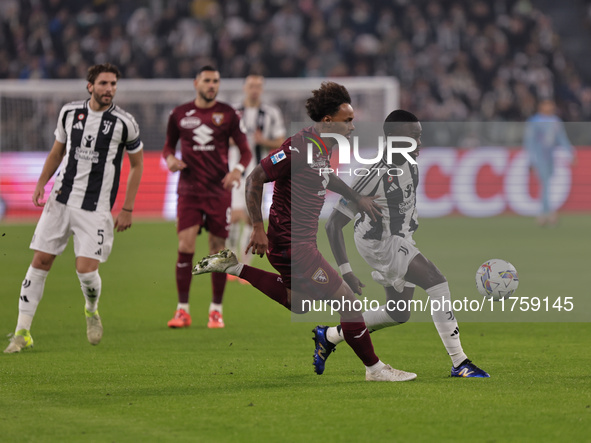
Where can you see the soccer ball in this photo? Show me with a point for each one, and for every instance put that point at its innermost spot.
(496, 279)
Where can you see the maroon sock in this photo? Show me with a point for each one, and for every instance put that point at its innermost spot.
(184, 264)
(268, 283)
(357, 336)
(218, 283)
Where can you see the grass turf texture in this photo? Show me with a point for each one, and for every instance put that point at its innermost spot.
(253, 380)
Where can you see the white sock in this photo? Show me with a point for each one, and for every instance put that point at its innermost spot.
(183, 306)
(235, 269)
(445, 322)
(90, 283)
(374, 320)
(377, 367)
(215, 307)
(234, 237)
(244, 239)
(31, 295)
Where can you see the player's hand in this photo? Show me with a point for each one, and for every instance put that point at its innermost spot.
(259, 243)
(38, 196)
(231, 178)
(369, 206)
(175, 164)
(123, 221)
(353, 282)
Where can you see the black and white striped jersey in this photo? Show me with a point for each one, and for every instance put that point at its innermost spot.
(268, 119)
(397, 196)
(95, 142)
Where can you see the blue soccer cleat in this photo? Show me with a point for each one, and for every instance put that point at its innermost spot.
(323, 348)
(468, 369)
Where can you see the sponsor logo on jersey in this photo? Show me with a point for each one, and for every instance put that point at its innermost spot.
(202, 135)
(190, 122)
(87, 154)
(217, 118)
(88, 141)
(276, 158)
(320, 276)
(107, 126)
(291, 148)
(191, 112)
(79, 126)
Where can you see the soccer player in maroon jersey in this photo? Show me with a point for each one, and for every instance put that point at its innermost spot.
(290, 243)
(204, 127)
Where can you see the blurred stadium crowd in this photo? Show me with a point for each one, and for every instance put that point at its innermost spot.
(456, 60)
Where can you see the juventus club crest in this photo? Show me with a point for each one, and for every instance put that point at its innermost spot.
(107, 126)
(217, 118)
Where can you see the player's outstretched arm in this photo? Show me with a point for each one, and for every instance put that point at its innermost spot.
(364, 203)
(334, 230)
(136, 161)
(52, 162)
(254, 197)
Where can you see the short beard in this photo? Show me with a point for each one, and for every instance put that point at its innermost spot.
(207, 99)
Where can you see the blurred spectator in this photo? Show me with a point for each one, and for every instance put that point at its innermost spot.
(455, 59)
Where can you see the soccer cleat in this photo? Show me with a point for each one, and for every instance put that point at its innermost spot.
(181, 319)
(468, 369)
(216, 262)
(322, 350)
(388, 373)
(94, 327)
(20, 340)
(216, 321)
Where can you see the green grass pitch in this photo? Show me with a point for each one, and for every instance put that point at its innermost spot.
(253, 380)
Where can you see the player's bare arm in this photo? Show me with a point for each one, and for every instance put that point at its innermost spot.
(254, 197)
(364, 203)
(52, 162)
(136, 161)
(334, 230)
(233, 177)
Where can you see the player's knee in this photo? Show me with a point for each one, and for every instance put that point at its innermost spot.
(399, 316)
(42, 261)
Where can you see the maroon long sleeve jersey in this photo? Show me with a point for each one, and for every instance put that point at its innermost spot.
(204, 135)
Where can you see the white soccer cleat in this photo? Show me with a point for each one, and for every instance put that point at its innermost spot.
(216, 263)
(388, 373)
(94, 327)
(20, 340)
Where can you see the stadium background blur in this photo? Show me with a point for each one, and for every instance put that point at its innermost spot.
(456, 60)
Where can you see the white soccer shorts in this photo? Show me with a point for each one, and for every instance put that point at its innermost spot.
(92, 231)
(390, 259)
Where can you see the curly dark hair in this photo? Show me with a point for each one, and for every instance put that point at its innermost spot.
(327, 100)
(94, 71)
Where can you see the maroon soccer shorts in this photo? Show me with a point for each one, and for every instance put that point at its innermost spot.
(213, 214)
(305, 270)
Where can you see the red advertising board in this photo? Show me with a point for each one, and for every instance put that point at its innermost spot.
(476, 183)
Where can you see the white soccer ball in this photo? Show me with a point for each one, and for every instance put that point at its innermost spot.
(496, 279)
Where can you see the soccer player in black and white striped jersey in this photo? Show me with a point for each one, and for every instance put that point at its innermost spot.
(90, 140)
(387, 246)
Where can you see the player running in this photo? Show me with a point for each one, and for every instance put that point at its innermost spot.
(290, 243)
(387, 246)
